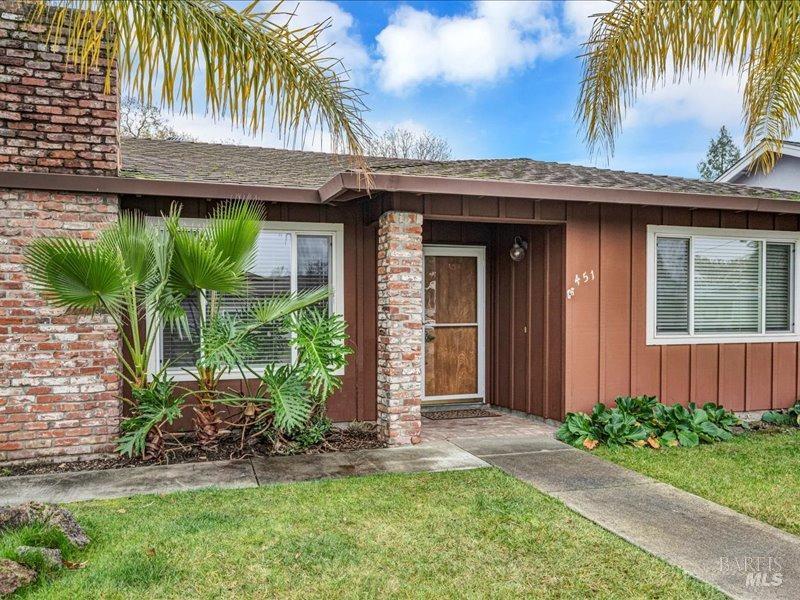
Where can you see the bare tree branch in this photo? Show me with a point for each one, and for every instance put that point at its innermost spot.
(146, 121)
(403, 143)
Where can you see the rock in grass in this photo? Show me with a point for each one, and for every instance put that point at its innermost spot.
(30, 513)
(51, 556)
(14, 576)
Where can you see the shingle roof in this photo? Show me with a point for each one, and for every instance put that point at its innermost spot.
(219, 163)
(226, 163)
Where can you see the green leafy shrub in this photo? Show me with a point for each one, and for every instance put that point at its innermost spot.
(287, 406)
(642, 420)
(789, 417)
(313, 433)
(152, 406)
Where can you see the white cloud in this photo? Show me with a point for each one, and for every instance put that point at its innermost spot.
(495, 38)
(577, 15)
(345, 42)
(709, 101)
(411, 125)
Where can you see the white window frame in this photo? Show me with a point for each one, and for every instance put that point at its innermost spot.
(659, 339)
(334, 230)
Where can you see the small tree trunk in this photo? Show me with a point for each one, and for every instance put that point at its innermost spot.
(154, 446)
(206, 421)
(206, 424)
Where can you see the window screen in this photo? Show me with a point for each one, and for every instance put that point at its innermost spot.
(672, 306)
(727, 285)
(779, 287)
(284, 262)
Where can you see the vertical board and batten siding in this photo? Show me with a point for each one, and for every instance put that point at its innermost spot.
(357, 397)
(607, 355)
(525, 300)
(524, 310)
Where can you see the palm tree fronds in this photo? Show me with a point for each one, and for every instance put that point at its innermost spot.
(256, 64)
(198, 265)
(643, 44)
(233, 229)
(133, 241)
(281, 306)
(76, 275)
(772, 100)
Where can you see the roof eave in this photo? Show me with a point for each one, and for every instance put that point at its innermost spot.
(348, 185)
(97, 184)
(744, 164)
(419, 184)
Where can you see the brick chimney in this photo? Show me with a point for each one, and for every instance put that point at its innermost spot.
(52, 119)
(59, 391)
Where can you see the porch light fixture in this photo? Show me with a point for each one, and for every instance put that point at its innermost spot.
(518, 250)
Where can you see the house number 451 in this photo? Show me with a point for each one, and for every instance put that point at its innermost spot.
(584, 277)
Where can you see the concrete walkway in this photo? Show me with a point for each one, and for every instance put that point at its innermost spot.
(118, 483)
(741, 556)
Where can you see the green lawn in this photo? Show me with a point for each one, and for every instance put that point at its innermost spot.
(461, 534)
(755, 474)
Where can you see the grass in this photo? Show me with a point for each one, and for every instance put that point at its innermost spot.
(755, 474)
(464, 534)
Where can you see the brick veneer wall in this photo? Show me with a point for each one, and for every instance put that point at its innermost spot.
(59, 393)
(52, 119)
(400, 271)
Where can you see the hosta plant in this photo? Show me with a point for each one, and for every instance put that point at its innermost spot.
(644, 421)
(789, 417)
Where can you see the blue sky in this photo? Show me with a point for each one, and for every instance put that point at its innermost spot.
(500, 79)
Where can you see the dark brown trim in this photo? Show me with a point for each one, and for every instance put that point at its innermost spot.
(347, 186)
(155, 187)
(547, 191)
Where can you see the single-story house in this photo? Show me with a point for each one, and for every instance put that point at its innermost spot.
(535, 286)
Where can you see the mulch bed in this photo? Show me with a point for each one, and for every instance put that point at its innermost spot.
(184, 450)
(467, 413)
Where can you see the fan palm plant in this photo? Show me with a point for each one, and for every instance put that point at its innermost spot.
(209, 264)
(640, 44)
(123, 274)
(257, 67)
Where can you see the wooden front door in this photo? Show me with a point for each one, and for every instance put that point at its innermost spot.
(454, 298)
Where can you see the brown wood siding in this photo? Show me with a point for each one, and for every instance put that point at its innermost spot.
(606, 353)
(524, 311)
(474, 209)
(356, 398)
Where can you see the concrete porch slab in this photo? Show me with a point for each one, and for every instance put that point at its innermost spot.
(117, 483)
(741, 556)
(430, 456)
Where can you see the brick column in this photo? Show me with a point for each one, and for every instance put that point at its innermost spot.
(400, 271)
(59, 390)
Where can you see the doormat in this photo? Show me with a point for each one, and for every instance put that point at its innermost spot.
(467, 413)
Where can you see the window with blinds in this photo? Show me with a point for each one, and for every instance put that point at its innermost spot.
(707, 285)
(285, 262)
